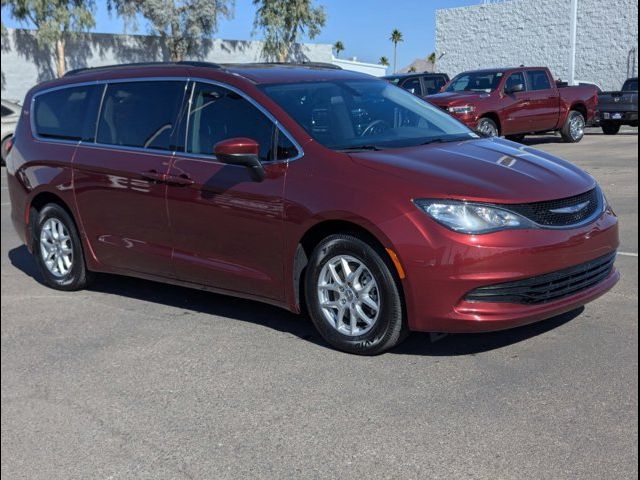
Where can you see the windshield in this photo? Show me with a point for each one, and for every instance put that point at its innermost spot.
(367, 114)
(485, 82)
(630, 85)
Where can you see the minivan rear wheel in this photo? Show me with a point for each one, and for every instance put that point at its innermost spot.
(352, 296)
(58, 250)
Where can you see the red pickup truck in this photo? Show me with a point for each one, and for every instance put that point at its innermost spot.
(516, 101)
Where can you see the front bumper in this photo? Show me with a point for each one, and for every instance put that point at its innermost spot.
(440, 276)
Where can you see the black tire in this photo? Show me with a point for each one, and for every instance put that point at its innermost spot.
(389, 328)
(611, 128)
(488, 128)
(4, 149)
(77, 277)
(568, 135)
(516, 138)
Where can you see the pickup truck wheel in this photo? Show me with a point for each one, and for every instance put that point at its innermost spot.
(488, 128)
(611, 128)
(573, 129)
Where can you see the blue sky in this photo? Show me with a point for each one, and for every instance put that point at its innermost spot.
(364, 26)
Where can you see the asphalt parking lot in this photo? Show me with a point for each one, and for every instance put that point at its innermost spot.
(134, 379)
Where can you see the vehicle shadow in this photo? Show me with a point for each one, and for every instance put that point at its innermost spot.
(533, 140)
(193, 301)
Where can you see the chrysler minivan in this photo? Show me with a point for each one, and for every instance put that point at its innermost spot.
(306, 187)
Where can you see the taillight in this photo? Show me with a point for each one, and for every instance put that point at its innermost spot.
(9, 144)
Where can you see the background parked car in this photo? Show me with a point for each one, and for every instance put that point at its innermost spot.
(420, 84)
(619, 108)
(10, 115)
(516, 101)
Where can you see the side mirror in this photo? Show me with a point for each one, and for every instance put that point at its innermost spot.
(241, 151)
(517, 88)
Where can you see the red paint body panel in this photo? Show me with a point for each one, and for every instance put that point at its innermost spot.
(523, 112)
(223, 232)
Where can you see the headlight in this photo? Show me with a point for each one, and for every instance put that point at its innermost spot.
(472, 218)
(463, 110)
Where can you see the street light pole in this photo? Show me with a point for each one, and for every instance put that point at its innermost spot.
(574, 40)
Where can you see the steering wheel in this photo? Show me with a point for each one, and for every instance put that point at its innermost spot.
(377, 126)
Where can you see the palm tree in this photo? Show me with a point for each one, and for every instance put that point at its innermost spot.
(338, 47)
(384, 61)
(396, 37)
(432, 60)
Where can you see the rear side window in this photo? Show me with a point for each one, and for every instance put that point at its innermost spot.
(5, 111)
(67, 113)
(538, 80)
(220, 114)
(141, 114)
(630, 85)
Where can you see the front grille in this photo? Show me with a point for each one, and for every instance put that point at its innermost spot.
(549, 287)
(542, 212)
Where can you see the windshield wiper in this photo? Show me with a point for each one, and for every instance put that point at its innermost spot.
(360, 147)
(447, 140)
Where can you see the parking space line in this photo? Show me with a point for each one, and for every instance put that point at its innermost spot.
(628, 254)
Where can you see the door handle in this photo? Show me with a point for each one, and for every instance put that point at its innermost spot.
(182, 180)
(154, 176)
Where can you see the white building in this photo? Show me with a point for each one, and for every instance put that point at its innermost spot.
(602, 37)
(354, 65)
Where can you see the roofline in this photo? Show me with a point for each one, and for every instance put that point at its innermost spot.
(396, 75)
(190, 63)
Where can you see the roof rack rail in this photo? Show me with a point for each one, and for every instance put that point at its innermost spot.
(326, 65)
(188, 63)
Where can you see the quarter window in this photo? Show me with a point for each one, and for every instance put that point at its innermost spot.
(219, 114)
(5, 111)
(67, 113)
(286, 149)
(141, 114)
(538, 80)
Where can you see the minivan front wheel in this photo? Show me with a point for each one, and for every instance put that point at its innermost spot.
(352, 296)
(57, 249)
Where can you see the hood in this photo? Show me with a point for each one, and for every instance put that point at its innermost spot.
(489, 170)
(453, 98)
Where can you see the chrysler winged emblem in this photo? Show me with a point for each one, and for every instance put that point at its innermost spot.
(573, 208)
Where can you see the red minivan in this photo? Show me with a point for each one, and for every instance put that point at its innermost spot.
(307, 187)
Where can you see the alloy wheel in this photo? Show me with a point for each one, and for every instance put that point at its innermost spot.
(576, 127)
(349, 296)
(56, 247)
(487, 129)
